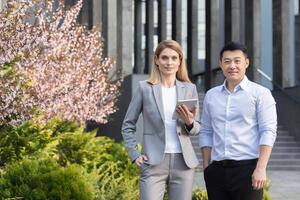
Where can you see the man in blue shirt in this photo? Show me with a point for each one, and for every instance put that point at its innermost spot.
(238, 131)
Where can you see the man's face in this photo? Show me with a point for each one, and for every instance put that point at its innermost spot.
(234, 65)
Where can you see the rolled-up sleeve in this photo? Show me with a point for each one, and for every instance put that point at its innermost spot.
(267, 118)
(205, 138)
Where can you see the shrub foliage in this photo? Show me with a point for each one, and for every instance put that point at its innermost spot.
(45, 179)
(28, 152)
(52, 161)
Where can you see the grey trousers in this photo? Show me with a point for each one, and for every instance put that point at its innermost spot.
(172, 173)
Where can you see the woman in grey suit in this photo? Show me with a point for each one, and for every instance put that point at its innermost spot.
(167, 156)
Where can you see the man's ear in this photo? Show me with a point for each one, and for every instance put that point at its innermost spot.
(220, 64)
(247, 62)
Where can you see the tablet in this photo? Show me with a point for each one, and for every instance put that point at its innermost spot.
(190, 103)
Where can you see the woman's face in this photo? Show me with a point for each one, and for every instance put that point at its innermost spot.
(168, 62)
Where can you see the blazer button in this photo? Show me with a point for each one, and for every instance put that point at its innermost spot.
(178, 133)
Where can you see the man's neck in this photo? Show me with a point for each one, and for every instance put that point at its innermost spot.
(230, 85)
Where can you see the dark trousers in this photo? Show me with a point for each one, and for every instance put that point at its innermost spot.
(231, 180)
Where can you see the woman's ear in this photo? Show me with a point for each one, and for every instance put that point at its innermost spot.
(155, 60)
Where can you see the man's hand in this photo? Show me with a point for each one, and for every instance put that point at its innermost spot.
(259, 178)
(205, 165)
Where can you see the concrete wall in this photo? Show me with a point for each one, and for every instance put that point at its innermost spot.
(297, 39)
(113, 127)
(288, 43)
(288, 109)
(2, 3)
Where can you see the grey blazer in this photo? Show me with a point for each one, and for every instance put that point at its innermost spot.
(148, 101)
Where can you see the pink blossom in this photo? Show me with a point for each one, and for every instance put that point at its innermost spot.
(62, 62)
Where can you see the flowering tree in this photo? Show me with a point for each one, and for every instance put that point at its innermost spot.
(18, 100)
(63, 61)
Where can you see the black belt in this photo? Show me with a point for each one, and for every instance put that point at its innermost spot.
(234, 163)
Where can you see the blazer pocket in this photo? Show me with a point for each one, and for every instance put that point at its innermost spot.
(148, 133)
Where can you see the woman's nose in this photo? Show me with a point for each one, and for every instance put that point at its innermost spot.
(169, 61)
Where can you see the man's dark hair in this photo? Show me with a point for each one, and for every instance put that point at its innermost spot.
(232, 46)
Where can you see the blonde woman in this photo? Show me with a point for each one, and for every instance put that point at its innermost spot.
(167, 157)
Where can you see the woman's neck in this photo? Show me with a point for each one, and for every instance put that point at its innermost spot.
(168, 81)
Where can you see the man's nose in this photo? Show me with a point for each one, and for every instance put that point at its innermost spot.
(232, 65)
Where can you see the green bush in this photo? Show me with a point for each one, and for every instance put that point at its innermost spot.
(17, 142)
(109, 173)
(45, 179)
(118, 177)
(92, 152)
(266, 194)
(199, 194)
(68, 144)
(30, 138)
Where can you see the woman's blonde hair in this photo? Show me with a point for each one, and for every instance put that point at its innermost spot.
(181, 74)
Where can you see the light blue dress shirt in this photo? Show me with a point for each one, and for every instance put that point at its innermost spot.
(236, 124)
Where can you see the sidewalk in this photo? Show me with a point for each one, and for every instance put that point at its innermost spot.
(284, 185)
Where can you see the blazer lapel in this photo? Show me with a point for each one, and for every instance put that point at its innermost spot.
(180, 90)
(158, 99)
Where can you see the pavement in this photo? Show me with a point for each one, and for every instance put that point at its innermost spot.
(284, 185)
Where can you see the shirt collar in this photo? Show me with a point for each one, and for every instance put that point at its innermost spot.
(243, 84)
